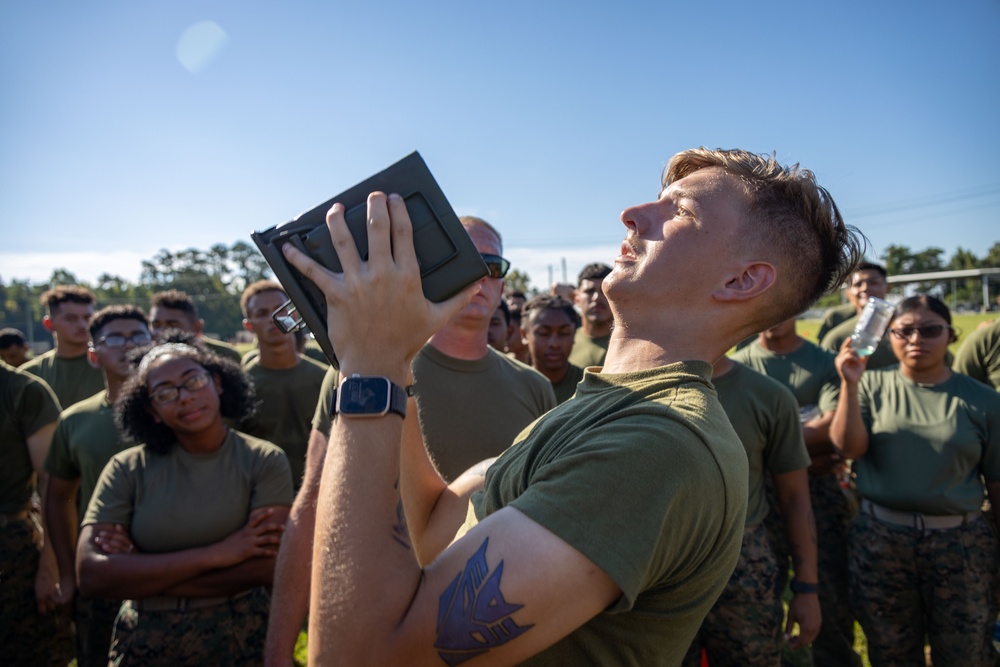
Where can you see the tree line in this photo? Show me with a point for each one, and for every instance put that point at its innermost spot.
(216, 277)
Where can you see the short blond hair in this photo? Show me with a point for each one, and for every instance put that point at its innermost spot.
(474, 221)
(791, 220)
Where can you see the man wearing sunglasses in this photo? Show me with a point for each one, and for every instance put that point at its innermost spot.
(85, 439)
(471, 399)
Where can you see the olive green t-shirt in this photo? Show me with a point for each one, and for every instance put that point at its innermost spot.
(324, 404)
(26, 405)
(224, 350)
(766, 418)
(85, 440)
(566, 387)
(72, 380)
(472, 410)
(287, 402)
(882, 357)
(588, 350)
(809, 372)
(979, 356)
(180, 500)
(928, 445)
(834, 316)
(642, 474)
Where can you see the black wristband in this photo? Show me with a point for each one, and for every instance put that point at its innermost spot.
(802, 587)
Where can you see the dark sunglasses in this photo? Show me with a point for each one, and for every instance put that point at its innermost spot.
(930, 331)
(497, 265)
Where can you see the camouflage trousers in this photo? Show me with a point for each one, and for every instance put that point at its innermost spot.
(833, 647)
(229, 633)
(909, 584)
(95, 621)
(27, 638)
(743, 629)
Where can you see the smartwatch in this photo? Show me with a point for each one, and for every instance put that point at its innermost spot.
(370, 396)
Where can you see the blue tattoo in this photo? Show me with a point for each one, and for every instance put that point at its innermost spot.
(472, 614)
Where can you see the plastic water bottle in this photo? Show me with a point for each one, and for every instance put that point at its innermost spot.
(871, 326)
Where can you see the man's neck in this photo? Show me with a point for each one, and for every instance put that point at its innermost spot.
(114, 387)
(658, 343)
(555, 376)
(596, 329)
(279, 357)
(782, 345)
(70, 350)
(465, 343)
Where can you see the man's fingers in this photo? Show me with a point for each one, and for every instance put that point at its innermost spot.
(445, 310)
(380, 219)
(343, 242)
(402, 234)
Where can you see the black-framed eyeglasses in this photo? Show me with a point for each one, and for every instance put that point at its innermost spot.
(116, 341)
(497, 265)
(929, 331)
(165, 395)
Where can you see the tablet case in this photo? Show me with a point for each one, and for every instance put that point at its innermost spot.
(447, 257)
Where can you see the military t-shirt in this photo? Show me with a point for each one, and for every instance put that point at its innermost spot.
(882, 357)
(566, 387)
(324, 404)
(810, 372)
(979, 356)
(26, 405)
(180, 500)
(834, 316)
(85, 440)
(642, 474)
(928, 445)
(72, 380)
(224, 350)
(588, 350)
(766, 418)
(472, 410)
(287, 403)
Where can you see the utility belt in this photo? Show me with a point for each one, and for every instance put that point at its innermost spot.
(917, 520)
(168, 603)
(9, 518)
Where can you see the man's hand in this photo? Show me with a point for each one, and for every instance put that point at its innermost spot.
(116, 541)
(803, 611)
(47, 582)
(378, 316)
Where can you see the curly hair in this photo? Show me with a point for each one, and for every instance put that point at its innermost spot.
(132, 416)
(544, 302)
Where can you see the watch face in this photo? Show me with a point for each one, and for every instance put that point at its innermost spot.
(363, 396)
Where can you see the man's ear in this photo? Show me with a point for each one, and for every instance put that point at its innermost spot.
(752, 281)
(199, 326)
(92, 358)
(47, 323)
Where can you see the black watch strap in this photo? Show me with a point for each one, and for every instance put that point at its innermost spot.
(802, 587)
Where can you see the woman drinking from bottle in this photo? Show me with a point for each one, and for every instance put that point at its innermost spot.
(926, 445)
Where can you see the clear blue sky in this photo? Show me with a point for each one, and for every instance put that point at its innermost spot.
(118, 138)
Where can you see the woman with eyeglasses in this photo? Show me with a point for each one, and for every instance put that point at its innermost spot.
(185, 526)
(926, 444)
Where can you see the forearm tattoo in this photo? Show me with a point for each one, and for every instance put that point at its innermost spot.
(473, 616)
(400, 532)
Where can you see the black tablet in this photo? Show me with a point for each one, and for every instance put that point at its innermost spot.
(448, 259)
